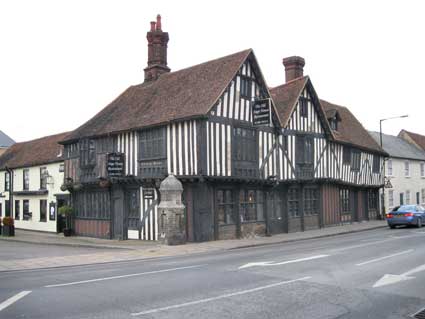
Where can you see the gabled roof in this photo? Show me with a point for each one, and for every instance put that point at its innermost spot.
(177, 95)
(5, 140)
(350, 130)
(397, 147)
(285, 98)
(36, 152)
(417, 138)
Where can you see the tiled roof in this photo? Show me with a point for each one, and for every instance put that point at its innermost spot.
(5, 140)
(350, 130)
(177, 95)
(285, 97)
(417, 138)
(397, 147)
(36, 152)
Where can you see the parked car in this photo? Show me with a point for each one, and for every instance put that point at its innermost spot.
(406, 215)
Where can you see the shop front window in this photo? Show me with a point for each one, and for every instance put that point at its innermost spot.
(225, 207)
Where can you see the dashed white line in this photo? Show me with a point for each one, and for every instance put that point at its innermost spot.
(385, 257)
(238, 293)
(13, 299)
(121, 276)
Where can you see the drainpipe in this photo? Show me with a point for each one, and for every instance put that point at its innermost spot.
(10, 172)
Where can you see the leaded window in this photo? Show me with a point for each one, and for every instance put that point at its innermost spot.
(346, 157)
(311, 201)
(225, 207)
(133, 209)
(303, 107)
(344, 195)
(373, 199)
(251, 205)
(87, 153)
(152, 144)
(376, 162)
(305, 150)
(246, 87)
(245, 145)
(355, 160)
(293, 202)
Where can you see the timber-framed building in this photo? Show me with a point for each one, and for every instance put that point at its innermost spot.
(311, 165)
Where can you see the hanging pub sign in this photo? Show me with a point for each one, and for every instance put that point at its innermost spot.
(261, 113)
(115, 164)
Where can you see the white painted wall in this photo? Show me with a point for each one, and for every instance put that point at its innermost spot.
(53, 188)
(415, 183)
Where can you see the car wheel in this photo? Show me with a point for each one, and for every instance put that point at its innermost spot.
(419, 223)
(392, 226)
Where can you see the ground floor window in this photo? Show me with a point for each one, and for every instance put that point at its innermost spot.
(401, 199)
(391, 198)
(373, 200)
(423, 195)
(225, 207)
(311, 201)
(407, 197)
(293, 202)
(26, 214)
(344, 195)
(251, 205)
(43, 210)
(17, 209)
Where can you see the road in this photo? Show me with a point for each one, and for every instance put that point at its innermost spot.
(372, 274)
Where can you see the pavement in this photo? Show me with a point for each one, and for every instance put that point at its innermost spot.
(95, 251)
(379, 273)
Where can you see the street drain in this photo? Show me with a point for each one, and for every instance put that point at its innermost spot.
(419, 315)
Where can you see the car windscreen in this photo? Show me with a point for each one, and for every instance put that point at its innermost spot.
(406, 207)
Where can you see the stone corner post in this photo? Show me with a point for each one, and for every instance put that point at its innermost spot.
(171, 212)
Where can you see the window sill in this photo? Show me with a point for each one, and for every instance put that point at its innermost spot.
(252, 221)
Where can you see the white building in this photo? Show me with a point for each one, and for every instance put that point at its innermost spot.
(31, 174)
(405, 169)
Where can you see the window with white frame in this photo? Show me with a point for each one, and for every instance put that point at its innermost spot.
(422, 169)
(407, 197)
(406, 169)
(391, 198)
(390, 168)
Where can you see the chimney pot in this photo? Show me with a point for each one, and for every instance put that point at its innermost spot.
(294, 67)
(158, 22)
(153, 26)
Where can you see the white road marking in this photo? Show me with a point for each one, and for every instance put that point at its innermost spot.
(385, 257)
(270, 263)
(388, 279)
(13, 299)
(238, 293)
(122, 276)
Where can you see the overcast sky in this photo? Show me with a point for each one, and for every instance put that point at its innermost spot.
(61, 62)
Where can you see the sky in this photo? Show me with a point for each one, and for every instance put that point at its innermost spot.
(61, 62)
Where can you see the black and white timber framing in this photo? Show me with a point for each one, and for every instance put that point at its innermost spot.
(219, 151)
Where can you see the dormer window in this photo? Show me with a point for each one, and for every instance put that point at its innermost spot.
(333, 124)
(333, 118)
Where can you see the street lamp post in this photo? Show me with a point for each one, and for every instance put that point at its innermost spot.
(380, 142)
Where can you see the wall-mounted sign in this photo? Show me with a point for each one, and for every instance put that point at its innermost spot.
(148, 194)
(115, 164)
(261, 112)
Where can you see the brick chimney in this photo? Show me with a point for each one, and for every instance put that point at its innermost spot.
(294, 67)
(157, 51)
